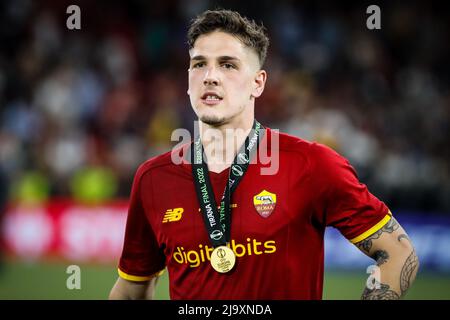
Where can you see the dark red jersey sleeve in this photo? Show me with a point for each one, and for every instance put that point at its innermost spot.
(141, 257)
(341, 200)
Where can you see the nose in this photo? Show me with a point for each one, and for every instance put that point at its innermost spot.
(211, 77)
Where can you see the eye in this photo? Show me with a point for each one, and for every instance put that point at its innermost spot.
(198, 65)
(228, 65)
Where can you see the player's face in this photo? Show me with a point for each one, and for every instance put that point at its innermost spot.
(224, 79)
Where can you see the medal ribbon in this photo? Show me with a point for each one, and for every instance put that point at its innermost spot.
(218, 222)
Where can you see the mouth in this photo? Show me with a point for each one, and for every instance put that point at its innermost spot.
(211, 98)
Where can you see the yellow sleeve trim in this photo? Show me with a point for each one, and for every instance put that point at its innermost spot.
(372, 230)
(130, 277)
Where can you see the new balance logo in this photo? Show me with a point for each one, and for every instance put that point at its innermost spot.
(173, 215)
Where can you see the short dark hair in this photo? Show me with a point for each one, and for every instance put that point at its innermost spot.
(248, 31)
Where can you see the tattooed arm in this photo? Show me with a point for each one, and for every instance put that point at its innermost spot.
(396, 258)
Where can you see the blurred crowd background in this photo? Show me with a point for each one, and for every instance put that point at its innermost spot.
(81, 109)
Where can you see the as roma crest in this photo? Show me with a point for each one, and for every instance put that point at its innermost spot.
(264, 203)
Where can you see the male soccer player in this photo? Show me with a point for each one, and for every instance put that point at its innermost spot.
(222, 228)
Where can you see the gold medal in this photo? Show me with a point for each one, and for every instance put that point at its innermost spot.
(223, 259)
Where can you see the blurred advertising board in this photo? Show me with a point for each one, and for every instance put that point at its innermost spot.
(429, 233)
(67, 230)
(83, 233)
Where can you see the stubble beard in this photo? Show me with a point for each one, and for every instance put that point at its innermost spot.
(213, 120)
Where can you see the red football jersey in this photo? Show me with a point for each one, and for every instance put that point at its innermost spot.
(277, 223)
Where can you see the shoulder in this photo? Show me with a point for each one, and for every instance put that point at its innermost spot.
(287, 142)
(323, 154)
(318, 156)
(311, 149)
(160, 162)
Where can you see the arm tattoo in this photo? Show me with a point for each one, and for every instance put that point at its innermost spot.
(406, 275)
(381, 256)
(383, 293)
(403, 236)
(366, 244)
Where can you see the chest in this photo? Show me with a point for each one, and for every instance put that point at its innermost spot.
(263, 207)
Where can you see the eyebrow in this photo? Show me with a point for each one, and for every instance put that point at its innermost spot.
(221, 58)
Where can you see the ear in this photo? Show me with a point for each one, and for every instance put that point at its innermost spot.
(259, 83)
(188, 93)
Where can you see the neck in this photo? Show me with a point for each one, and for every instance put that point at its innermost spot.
(221, 143)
